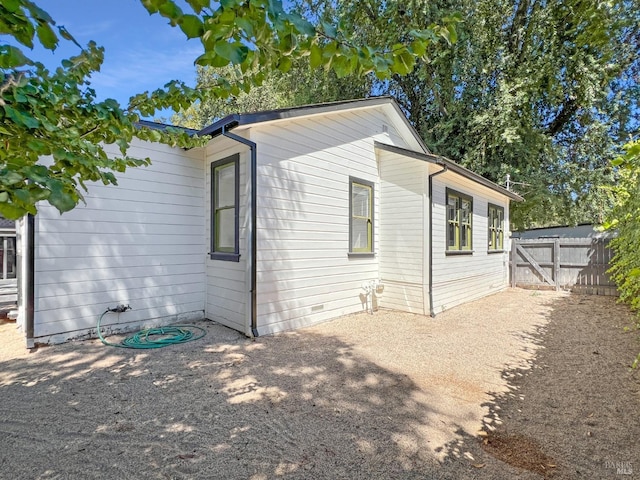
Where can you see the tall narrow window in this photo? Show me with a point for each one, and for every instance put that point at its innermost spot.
(360, 216)
(496, 227)
(459, 221)
(224, 209)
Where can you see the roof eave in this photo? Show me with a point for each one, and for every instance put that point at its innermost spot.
(452, 166)
(237, 119)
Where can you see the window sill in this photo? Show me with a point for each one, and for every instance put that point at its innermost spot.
(458, 252)
(495, 251)
(227, 257)
(361, 254)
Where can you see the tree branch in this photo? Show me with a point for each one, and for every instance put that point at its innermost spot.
(9, 81)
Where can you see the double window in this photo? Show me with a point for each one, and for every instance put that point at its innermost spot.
(496, 227)
(225, 200)
(459, 221)
(360, 216)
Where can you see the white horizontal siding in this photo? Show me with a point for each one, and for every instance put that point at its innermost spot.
(461, 278)
(403, 297)
(228, 282)
(305, 274)
(402, 228)
(139, 243)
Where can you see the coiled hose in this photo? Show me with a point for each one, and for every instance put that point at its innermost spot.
(156, 337)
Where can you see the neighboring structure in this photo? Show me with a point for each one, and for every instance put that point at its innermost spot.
(584, 230)
(286, 218)
(8, 282)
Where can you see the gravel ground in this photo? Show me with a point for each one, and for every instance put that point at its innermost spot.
(517, 385)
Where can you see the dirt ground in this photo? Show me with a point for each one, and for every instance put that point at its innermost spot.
(521, 384)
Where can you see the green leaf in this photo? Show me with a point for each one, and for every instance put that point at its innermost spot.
(227, 17)
(315, 58)
(453, 34)
(38, 13)
(11, 5)
(284, 64)
(235, 52)
(342, 66)
(302, 25)
(403, 63)
(329, 30)
(288, 44)
(38, 146)
(10, 177)
(191, 26)
(23, 195)
(198, 5)
(60, 198)
(245, 25)
(21, 118)
(47, 36)
(211, 59)
(171, 11)
(419, 47)
(11, 211)
(12, 57)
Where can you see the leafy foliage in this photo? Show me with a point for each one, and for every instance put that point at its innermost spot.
(54, 130)
(625, 219)
(300, 86)
(541, 90)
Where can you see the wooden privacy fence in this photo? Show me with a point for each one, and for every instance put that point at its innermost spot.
(576, 264)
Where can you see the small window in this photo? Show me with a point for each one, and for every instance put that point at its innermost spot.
(225, 178)
(360, 216)
(496, 227)
(459, 221)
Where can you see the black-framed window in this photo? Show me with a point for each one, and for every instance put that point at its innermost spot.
(225, 208)
(495, 217)
(360, 216)
(459, 221)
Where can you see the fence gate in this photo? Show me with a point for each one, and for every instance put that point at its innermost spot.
(576, 264)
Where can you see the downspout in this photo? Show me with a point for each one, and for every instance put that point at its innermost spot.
(444, 169)
(252, 226)
(29, 294)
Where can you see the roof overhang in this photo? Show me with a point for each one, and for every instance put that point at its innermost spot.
(247, 119)
(451, 166)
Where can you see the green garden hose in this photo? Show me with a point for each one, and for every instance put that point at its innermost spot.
(156, 337)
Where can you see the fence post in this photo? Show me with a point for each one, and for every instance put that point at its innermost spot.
(514, 265)
(556, 263)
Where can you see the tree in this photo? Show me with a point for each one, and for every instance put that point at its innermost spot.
(541, 90)
(624, 218)
(299, 86)
(56, 115)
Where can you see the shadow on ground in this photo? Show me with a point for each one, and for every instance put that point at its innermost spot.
(574, 413)
(306, 405)
(222, 407)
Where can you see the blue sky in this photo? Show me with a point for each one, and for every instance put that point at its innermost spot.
(142, 52)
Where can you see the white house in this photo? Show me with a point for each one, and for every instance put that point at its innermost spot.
(286, 218)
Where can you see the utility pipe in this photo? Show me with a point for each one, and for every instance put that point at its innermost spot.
(444, 169)
(29, 295)
(252, 227)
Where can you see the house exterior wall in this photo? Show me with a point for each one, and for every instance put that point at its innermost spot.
(227, 299)
(305, 274)
(403, 217)
(461, 278)
(140, 243)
